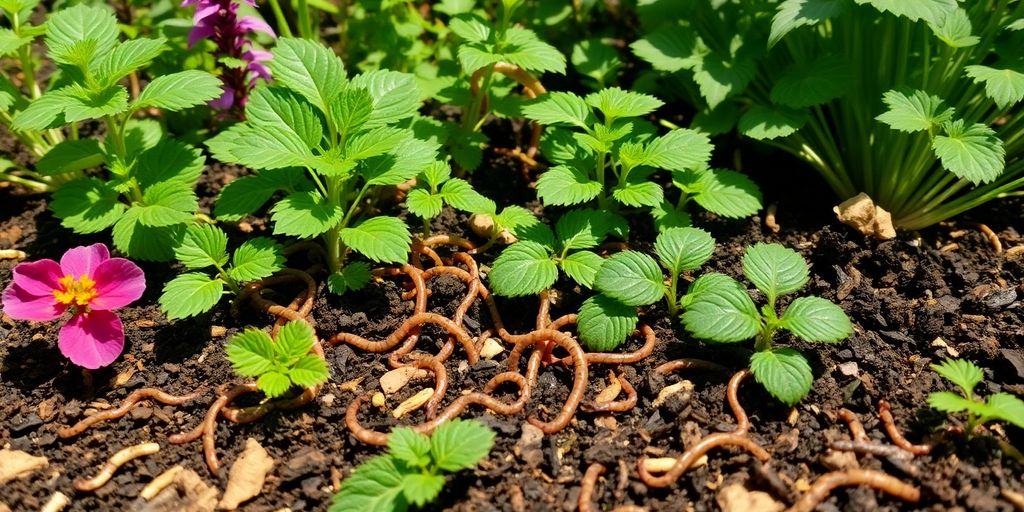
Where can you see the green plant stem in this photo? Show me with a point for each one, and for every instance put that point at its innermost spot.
(282, 22)
(35, 186)
(305, 29)
(670, 294)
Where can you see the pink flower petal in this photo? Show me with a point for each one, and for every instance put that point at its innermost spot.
(93, 339)
(254, 24)
(20, 304)
(38, 277)
(204, 12)
(119, 282)
(200, 32)
(225, 101)
(82, 261)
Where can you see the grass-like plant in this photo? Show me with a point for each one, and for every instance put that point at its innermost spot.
(914, 103)
(966, 375)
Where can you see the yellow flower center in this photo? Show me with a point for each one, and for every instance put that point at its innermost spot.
(75, 292)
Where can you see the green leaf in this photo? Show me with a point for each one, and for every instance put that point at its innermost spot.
(353, 276)
(582, 267)
(66, 28)
(1006, 407)
(775, 270)
(784, 372)
(437, 173)
(382, 239)
(375, 486)
(637, 191)
(294, 340)
(178, 91)
(669, 48)
(615, 103)
(471, 28)
(245, 195)
(914, 111)
(255, 259)
(304, 214)
(82, 104)
(127, 57)
(309, 69)
(460, 444)
(667, 216)
(1004, 86)
(10, 42)
(929, 10)
(410, 447)
(251, 353)
(189, 295)
(949, 402)
(204, 245)
(422, 203)
(259, 147)
(87, 205)
(954, 28)
(972, 152)
(523, 268)
(274, 383)
(562, 185)
(515, 218)
(679, 150)
(278, 109)
(170, 161)
(582, 229)
(727, 193)
(351, 109)
(70, 156)
(682, 249)
(632, 278)
(167, 204)
(806, 84)
(524, 49)
(961, 372)
(422, 488)
(44, 112)
(145, 242)
(405, 160)
(559, 108)
(309, 371)
(460, 195)
(793, 14)
(395, 96)
(720, 78)
(375, 142)
(817, 320)
(764, 123)
(718, 308)
(604, 323)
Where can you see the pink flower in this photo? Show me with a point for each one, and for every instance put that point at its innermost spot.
(88, 282)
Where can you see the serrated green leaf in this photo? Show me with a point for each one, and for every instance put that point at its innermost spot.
(245, 195)
(793, 14)
(353, 276)
(304, 214)
(604, 323)
(382, 239)
(87, 205)
(309, 69)
(559, 108)
(949, 402)
(395, 96)
(170, 161)
(972, 152)
(914, 111)
(422, 203)
(678, 150)
(410, 447)
(81, 104)
(817, 320)
(294, 340)
(251, 352)
(720, 78)
(460, 195)
(44, 112)
(259, 148)
(351, 109)
(71, 156)
(582, 229)
(784, 372)
(582, 267)
(1004, 86)
(189, 295)
(954, 29)
(1006, 407)
(274, 383)
(514, 218)
(719, 309)
(596, 59)
(806, 84)
(309, 371)
(669, 48)
(632, 278)
(204, 245)
(961, 372)
(255, 259)
(775, 270)
(127, 57)
(727, 193)
(178, 91)
(682, 249)
(524, 49)
(10, 42)
(143, 242)
(278, 109)
(437, 173)
(667, 216)
(401, 164)
(377, 141)
(68, 27)
(929, 10)
(422, 488)
(471, 28)
(765, 123)
(375, 486)
(563, 185)
(523, 268)
(615, 103)
(460, 444)
(637, 191)
(167, 204)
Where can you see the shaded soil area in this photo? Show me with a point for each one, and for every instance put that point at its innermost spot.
(913, 301)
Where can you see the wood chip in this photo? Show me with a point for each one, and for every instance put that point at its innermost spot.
(660, 464)
(412, 403)
(247, 475)
(736, 498)
(491, 348)
(611, 391)
(188, 493)
(377, 400)
(606, 421)
(1014, 253)
(396, 379)
(683, 386)
(218, 331)
(17, 464)
(12, 254)
(351, 385)
(861, 213)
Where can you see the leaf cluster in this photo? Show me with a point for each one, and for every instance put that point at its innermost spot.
(278, 364)
(412, 472)
(966, 375)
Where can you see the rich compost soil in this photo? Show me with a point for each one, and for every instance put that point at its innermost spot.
(939, 293)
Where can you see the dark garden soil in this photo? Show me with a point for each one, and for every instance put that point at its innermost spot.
(913, 301)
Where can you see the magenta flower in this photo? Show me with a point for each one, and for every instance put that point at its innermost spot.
(90, 284)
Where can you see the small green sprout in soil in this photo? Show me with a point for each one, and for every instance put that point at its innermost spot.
(966, 375)
(281, 364)
(413, 470)
(718, 308)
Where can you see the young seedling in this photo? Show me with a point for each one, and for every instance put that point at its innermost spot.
(966, 376)
(413, 470)
(610, 160)
(329, 142)
(148, 197)
(719, 309)
(631, 279)
(205, 246)
(280, 364)
(435, 188)
(531, 265)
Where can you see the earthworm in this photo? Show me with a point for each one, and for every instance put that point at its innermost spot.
(436, 240)
(207, 429)
(472, 281)
(56, 503)
(160, 483)
(579, 386)
(373, 437)
(992, 237)
(885, 415)
(594, 471)
(617, 405)
(116, 461)
(404, 330)
(688, 364)
(877, 480)
(127, 405)
(737, 437)
(856, 428)
(650, 340)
